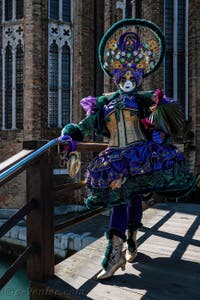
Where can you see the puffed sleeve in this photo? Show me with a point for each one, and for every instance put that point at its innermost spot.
(92, 122)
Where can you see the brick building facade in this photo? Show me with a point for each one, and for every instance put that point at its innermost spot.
(43, 33)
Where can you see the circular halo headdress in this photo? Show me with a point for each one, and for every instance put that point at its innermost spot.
(132, 43)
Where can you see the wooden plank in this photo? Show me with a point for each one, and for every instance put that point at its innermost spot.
(88, 146)
(167, 265)
(18, 216)
(40, 221)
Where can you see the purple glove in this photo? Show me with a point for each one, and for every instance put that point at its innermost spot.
(157, 137)
(67, 140)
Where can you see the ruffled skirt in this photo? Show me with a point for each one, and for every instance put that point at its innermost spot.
(143, 167)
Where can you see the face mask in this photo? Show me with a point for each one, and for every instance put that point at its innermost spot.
(127, 85)
(127, 82)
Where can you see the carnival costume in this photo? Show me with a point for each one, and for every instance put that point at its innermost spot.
(139, 158)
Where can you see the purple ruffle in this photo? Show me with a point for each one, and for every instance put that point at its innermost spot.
(140, 158)
(89, 104)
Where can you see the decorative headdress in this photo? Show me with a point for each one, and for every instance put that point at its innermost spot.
(132, 44)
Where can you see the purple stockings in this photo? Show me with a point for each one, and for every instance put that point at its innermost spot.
(127, 215)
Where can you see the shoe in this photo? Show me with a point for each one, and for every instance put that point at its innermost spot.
(114, 257)
(131, 251)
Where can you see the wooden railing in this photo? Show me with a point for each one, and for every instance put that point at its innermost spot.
(39, 253)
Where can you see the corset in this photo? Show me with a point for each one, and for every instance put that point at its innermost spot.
(124, 128)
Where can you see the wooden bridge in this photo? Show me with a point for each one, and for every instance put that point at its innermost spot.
(167, 266)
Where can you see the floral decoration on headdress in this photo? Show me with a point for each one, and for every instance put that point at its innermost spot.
(132, 44)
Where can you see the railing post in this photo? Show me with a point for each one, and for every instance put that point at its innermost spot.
(40, 225)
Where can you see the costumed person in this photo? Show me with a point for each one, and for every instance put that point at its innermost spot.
(139, 124)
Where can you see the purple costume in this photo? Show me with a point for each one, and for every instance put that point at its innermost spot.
(140, 157)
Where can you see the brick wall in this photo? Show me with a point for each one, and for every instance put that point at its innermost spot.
(35, 69)
(153, 11)
(12, 194)
(112, 15)
(84, 54)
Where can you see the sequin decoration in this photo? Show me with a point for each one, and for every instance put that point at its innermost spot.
(132, 43)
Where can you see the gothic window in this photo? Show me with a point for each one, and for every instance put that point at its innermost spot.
(181, 50)
(8, 87)
(175, 34)
(8, 10)
(12, 64)
(19, 9)
(53, 85)
(66, 10)
(54, 9)
(169, 48)
(59, 63)
(60, 10)
(65, 84)
(13, 9)
(19, 85)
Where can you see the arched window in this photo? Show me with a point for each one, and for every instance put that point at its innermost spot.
(13, 9)
(19, 85)
(169, 48)
(66, 66)
(59, 62)
(54, 9)
(12, 64)
(8, 87)
(66, 9)
(8, 10)
(19, 9)
(60, 10)
(53, 85)
(175, 58)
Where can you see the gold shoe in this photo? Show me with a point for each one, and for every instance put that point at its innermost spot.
(114, 258)
(131, 255)
(111, 269)
(131, 251)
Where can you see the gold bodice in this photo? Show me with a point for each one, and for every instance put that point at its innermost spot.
(125, 131)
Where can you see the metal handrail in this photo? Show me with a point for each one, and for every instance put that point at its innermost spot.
(6, 174)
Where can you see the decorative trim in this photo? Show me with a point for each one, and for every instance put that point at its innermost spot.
(61, 33)
(12, 34)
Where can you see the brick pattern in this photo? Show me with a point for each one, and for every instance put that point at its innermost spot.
(35, 69)
(153, 11)
(12, 194)
(84, 54)
(112, 15)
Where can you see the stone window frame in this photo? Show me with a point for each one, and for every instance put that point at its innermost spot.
(15, 4)
(60, 15)
(60, 32)
(12, 36)
(176, 58)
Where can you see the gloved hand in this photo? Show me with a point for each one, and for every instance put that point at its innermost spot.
(67, 142)
(158, 137)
